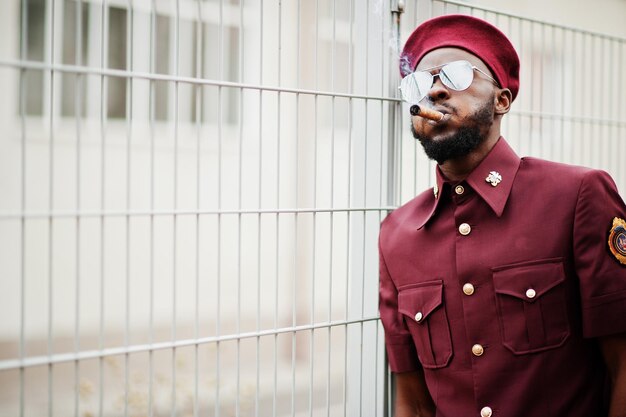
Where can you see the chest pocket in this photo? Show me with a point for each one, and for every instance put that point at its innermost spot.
(532, 310)
(426, 319)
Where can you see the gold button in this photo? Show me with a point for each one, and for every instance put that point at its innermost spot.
(459, 189)
(530, 293)
(468, 289)
(465, 229)
(418, 316)
(486, 412)
(478, 350)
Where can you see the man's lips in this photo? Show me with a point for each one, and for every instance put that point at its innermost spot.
(442, 109)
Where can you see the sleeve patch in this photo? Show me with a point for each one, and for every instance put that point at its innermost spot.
(617, 240)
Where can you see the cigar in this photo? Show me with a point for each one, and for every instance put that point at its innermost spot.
(426, 113)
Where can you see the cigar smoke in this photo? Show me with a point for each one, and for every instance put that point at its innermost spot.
(426, 113)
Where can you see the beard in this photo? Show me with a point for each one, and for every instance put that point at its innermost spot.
(467, 138)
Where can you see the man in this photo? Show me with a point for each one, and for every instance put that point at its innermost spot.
(503, 288)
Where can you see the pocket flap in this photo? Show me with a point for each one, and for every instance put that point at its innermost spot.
(419, 302)
(528, 282)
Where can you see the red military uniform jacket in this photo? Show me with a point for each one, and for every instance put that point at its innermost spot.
(498, 285)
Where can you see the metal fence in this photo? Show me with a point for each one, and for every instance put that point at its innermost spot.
(191, 194)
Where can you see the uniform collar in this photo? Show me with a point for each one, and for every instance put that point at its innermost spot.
(502, 161)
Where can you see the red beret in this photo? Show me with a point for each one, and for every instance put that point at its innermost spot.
(466, 32)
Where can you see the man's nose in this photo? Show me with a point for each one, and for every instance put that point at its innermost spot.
(438, 91)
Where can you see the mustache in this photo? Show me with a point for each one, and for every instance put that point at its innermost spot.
(433, 105)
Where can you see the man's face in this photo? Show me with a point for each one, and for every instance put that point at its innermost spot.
(469, 113)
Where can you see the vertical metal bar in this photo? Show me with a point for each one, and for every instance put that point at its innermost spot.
(598, 116)
(521, 98)
(430, 171)
(399, 169)
(219, 207)
(314, 237)
(387, 398)
(296, 218)
(22, 243)
(239, 205)
(198, 114)
(152, 116)
(551, 107)
(614, 104)
(50, 345)
(531, 106)
(583, 74)
(556, 151)
(365, 179)
(604, 112)
(278, 139)
(314, 224)
(589, 122)
(383, 40)
(392, 135)
(586, 113)
(347, 313)
(591, 97)
(103, 117)
(349, 219)
(78, 90)
(331, 235)
(259, 218)
(507, 125)
(542, 53)
(614, 116)
(376, 365)
(618, 114)
(575, 99)
(176, 55)
(129, 118)
(562, 104)
(620, 125)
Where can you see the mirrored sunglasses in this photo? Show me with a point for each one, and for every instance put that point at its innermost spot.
(457, 76)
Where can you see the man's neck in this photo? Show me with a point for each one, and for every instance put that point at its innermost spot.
(458, 169)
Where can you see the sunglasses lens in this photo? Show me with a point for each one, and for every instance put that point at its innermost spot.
(457, 75)
(415, 86)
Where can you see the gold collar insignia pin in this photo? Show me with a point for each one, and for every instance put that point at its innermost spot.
(494, 178)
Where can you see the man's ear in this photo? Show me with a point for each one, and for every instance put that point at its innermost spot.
(503, 101)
